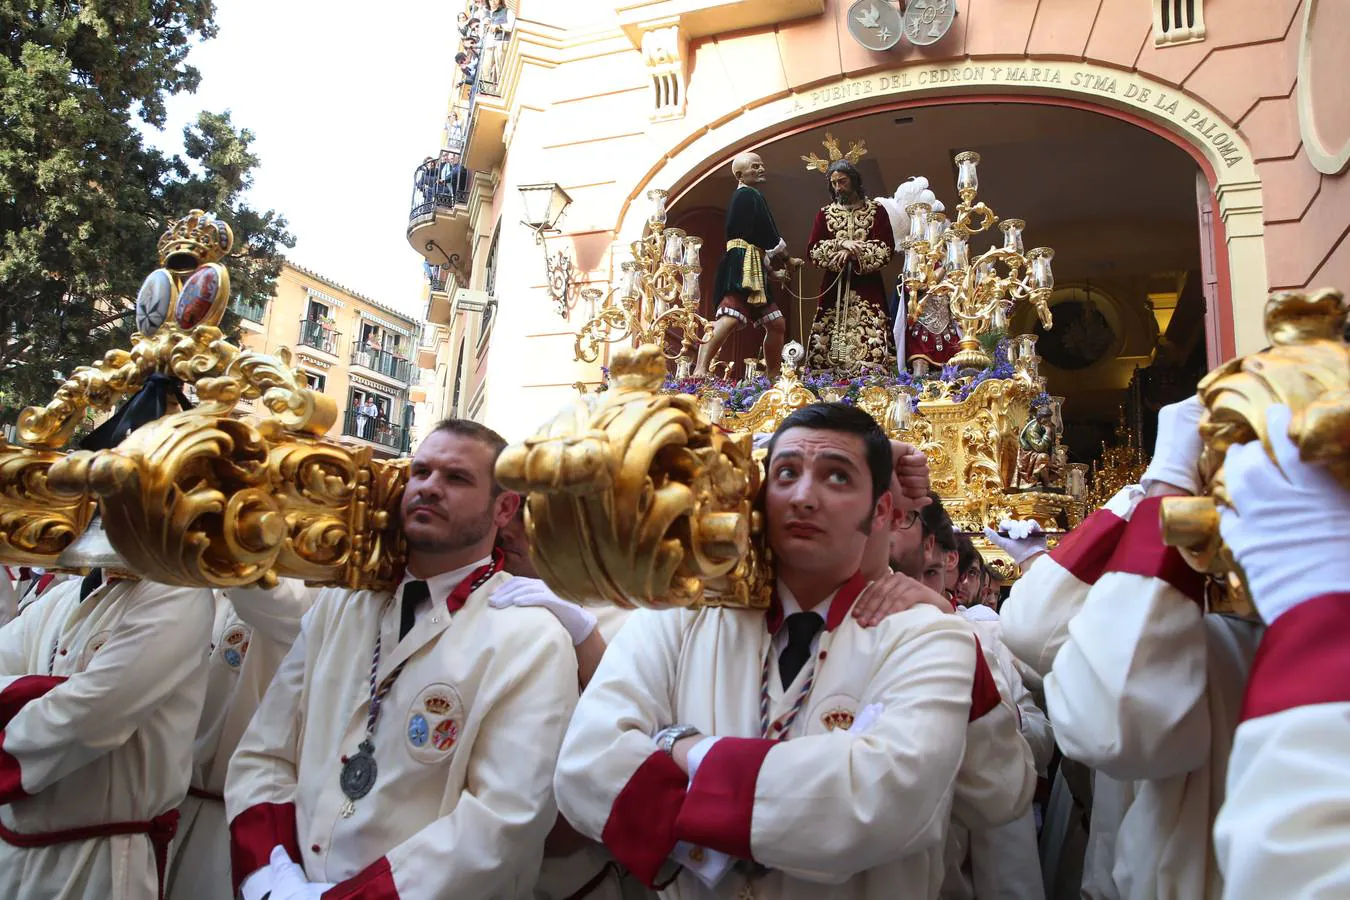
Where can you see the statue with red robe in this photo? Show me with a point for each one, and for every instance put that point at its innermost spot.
(851, 242)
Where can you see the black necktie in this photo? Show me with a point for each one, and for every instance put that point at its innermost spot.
(414, 592)
(802, 628)
(91, 582)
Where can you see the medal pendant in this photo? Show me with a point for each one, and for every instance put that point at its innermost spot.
(358, 773)
(746, 893)
(347, 810)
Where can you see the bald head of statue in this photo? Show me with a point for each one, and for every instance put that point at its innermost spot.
(749, 169)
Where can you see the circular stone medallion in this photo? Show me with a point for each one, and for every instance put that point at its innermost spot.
(201, 295)
(154, 301)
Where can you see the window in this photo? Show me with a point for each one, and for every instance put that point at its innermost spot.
(1178, 22)
(318, 312)
(316, 381)
(460, 363)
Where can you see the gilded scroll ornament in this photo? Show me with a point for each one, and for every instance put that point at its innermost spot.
(199, 497)
(1307, 368)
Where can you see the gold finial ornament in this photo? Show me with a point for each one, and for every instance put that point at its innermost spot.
(1307, 368)
(201, 497)
(856, 151)
(636, 499)
(194, 240)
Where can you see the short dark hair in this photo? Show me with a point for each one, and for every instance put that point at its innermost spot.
(937, 523)
(849, 169)
(850, 420)
(966, 554)
(468, 428)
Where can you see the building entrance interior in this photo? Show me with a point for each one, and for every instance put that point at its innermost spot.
(1120, 206)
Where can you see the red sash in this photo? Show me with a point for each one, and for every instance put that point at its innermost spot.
(160, 830)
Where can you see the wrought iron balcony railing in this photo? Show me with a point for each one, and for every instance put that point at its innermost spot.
(376, 430)
(319, 335)
(254, 312)
(385, 363)
(438, 185)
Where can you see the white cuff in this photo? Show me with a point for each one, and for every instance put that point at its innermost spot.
(778, 247)
(696, 754)
(709, 866)
(257, 885)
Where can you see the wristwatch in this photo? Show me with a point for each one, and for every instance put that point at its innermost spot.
(668, 737)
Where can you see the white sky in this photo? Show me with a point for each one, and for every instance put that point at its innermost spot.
(344, 100)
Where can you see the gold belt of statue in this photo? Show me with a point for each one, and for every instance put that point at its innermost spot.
(752, 271)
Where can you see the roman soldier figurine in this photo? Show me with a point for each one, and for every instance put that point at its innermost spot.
(743, 274)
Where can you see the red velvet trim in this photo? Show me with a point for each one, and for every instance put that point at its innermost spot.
(22, 691)
(11, 777)
(253, 834)
(984, 695)
(1087, 549)
(843, 601)
(1142, 552)
(1303, 660)
(721, 802)
(374, 882)
(43, 583)
(640, 831)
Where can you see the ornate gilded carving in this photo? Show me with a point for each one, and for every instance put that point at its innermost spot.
(36, 522)
(199, 497)
(636, 499)
(1307, 368)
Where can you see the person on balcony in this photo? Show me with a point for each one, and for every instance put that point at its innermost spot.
(454, 178)
(365, 411)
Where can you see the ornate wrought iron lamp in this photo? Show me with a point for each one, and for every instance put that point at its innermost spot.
(544, 207)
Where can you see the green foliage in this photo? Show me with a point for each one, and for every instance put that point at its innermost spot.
(83, 199)
(990, 340)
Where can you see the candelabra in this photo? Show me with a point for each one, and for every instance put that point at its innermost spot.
(658, 293)
(981, 294)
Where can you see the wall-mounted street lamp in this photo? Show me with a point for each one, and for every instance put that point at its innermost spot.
(544, 207)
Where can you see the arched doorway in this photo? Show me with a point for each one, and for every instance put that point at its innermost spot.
(1117, 202)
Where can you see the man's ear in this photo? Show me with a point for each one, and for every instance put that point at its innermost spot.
(883, 512)
(504, 508)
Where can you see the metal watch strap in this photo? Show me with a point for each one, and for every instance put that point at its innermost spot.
(668, 737)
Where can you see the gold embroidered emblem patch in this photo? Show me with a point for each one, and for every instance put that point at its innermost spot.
(437, 705)
(837, 719)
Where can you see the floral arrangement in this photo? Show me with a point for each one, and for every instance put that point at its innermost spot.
(741, 396)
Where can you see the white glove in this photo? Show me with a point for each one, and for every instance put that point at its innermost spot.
(866, 718)
(1177, 452)
(1289, 527)
(1025, 539)
(533, 592)
(288, 879)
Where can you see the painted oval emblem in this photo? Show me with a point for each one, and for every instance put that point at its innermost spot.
(153, 302)
(418, 732)
(202, 293)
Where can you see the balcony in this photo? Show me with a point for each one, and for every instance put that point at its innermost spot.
(253, 312)
(380, 432)
(383, 363)
(438, 222)
(318, 336)
(498, 71)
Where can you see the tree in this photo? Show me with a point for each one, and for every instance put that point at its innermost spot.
(83, 199)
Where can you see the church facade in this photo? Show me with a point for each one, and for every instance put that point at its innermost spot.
(1182, 158)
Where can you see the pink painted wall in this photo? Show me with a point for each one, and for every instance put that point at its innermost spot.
(1247, 68)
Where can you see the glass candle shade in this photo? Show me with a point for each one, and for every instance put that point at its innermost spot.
(658, 199)
(967, 175)
(918, 220)
(1012, 234)
(1042, 275)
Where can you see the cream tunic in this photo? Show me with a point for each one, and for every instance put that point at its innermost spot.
(249, 639)
(100, 702)
(1143, 687)
(466, 744)
(831, 814)
(1284, 830)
